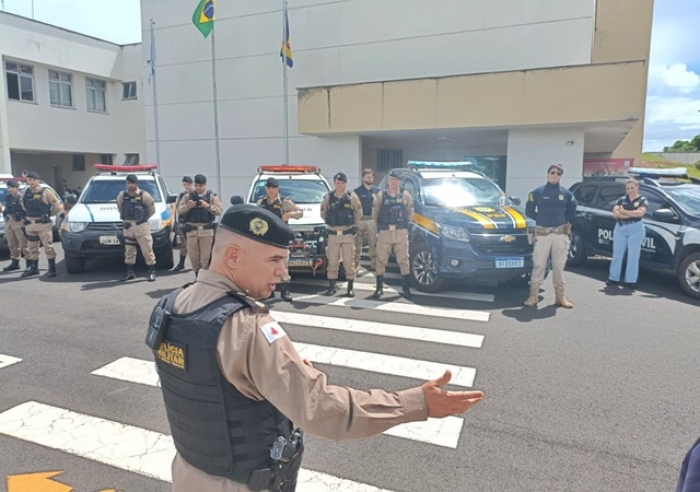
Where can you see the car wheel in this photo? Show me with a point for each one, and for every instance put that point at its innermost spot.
(74, 264)
(577, 250)
(57, 229)
(424, 274)
(165, 259)
(689, 275)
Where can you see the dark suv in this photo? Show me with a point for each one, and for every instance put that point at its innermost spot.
(464, 227)
(672, 242)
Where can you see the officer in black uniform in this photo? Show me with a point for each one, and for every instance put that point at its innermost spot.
(553, 207)
(366, 228)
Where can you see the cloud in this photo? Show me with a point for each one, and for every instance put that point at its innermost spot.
(675, 77)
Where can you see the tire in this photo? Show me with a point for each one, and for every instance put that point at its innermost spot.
(165, 259)
(689, 275)
(577, 250)
(57, 231)
(423, 274)
(74, 264)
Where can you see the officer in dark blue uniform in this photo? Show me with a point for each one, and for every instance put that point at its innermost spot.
(553, 207)
(366, 228)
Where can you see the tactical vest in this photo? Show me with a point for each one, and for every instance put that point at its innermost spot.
(200, 215)
(34, 203)
(392, 211)
(340, 212)
(133, 207)
(215, 428)
(13, 207)
(366, 198)
(274, 207)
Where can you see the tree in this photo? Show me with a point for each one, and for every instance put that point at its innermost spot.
(692, 145)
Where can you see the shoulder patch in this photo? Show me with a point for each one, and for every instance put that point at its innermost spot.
(273, 331)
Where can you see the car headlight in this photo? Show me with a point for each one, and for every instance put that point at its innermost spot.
(453, 232)
(157, 224)
(74, 226)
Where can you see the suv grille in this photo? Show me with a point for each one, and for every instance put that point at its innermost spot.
(104, 226)
(496, 243)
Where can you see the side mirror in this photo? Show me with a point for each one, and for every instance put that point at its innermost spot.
(665, 215)
(71, 199)
(237, 200)
(172, 198)
(515, 200)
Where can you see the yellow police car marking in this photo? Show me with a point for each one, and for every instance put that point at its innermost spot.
(517, 217)
(480, 218)
(425, 222)
(172, 354)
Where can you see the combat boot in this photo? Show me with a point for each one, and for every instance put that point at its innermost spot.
(562, 300)
(351, 288)
(406, 289)
(331, 288)
(32, 268)
(12, 266)
(180, 266)
(152, 273)
(379, 291)
(533, 299)
(284, 292)
(52, 267)
(130, 275)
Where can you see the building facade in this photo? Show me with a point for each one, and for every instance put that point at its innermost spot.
(511, 86)
(68, 101)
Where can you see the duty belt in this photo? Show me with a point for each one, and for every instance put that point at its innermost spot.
(546, 231)
(352, 230)
(193, 227)
(391, 227)
(366, 217)
(137, 222)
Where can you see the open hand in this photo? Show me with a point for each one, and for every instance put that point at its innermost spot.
(442, 403)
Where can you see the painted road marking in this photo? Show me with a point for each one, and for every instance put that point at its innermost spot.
(8, 360)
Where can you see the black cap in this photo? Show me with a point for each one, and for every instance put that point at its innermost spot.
(272, 183)
(258, 224)
(12, 183)
(131, 178)
(200, 179)
(237, 200)
(341, 177)
(187, 179)
(33, 175)
(394, 174)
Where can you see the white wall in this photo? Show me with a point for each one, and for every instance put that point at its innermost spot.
(531, 152)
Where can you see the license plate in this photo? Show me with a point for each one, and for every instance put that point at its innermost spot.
(109, 240)
(518, 262)
(301, 263)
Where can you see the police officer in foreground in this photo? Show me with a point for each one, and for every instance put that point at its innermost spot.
(39, 204)
(181, 219)
(284, 208)
(553, 207)
(14, 216)
(247, 434)
(366, 228)
(392, 211)
(135, 208)
(200, 208)
(342, 211)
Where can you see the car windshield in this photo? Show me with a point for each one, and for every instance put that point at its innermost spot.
(687, 197)
(106, 191)
(456, 192)
(300, 191)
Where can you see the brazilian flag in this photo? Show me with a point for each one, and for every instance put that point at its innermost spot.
(203, 17)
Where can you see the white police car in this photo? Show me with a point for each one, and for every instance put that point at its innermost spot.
(672, 222)
(93, 228)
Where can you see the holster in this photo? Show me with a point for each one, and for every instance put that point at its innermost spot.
(282, 475)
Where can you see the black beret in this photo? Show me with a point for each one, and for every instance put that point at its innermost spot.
(131, 178)
(394, 174)
(33, 175)
(12, 183)
(187, 179)
(237, 200)
(258, 224)
(341, 177)
(272, 183)
(200, 179)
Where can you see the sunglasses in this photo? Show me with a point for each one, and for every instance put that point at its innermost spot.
(558, 173)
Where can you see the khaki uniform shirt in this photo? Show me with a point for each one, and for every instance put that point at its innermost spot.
(147, 201)
(215, 206)
(49, 198)
(287, 205)
(274, 371)
(377, 204)
(354, 203)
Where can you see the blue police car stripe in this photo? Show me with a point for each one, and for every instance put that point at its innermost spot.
(92, 217)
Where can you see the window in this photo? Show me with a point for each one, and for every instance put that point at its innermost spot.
(107, 159)
(129, 90)
(655, 203)
(131, 159)
(102, 191)
(96, 95)
(585, 194)
(408, 186)
(607, 197)
(61, 89)
(389, 159)
(78, 162)
(20, 82)
(300, 191)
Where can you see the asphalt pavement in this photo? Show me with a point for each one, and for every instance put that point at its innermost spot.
(600, 398)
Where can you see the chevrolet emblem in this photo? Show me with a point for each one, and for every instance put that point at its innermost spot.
(507, 239)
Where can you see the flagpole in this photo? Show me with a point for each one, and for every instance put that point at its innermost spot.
(216, 108)
(285, 90)
(152, 72)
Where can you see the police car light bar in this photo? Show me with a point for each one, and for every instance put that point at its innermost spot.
(439, 165)
(675, 172)
(289, 169)
(125, 169)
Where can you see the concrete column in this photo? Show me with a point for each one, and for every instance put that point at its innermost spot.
(531, 152)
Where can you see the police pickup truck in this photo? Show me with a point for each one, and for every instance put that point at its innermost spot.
(306, 187)
(672, 222)
(464, 227)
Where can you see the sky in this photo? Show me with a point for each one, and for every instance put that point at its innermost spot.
(673, 96)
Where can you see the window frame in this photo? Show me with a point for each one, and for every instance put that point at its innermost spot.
(136, 91)
(92, 89)
(20, 74)
(61, 83)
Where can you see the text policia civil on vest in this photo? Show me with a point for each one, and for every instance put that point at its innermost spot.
(340, 211)
(392, 211)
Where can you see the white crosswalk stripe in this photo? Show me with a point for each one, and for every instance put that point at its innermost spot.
(8, 360)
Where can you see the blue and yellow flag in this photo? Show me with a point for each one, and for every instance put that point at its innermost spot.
(203, 17)
(286, 51)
